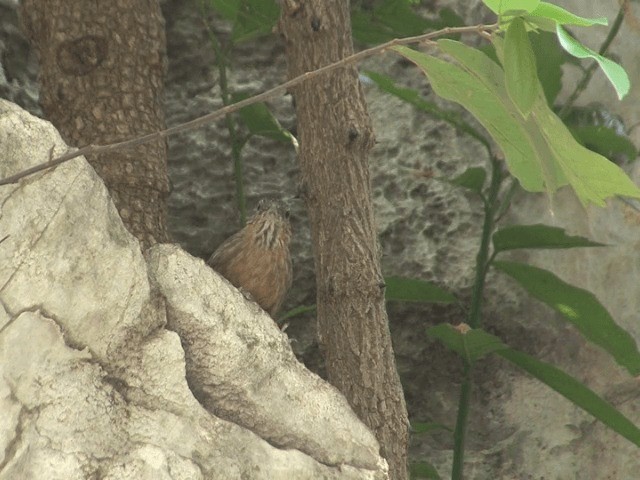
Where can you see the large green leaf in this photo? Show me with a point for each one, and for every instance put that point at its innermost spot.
(413, 290)
(579, 307)
(539, 150)
(520, 67)
(576, 392)
(470, 344)
(489, 103)
(537, 236)
(614, 72)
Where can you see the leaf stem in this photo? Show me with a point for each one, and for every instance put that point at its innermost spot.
(460, 432)
(483, 252)
(491, 206)
(236, 143)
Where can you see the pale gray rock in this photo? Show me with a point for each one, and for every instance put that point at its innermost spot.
(241, 367)
(93, 385)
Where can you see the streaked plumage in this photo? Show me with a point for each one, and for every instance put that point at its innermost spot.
(256, 259)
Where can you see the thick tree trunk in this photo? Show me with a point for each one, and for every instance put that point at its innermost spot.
(102, 67)
(335, 136)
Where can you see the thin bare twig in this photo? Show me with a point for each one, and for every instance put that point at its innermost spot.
(279, 90)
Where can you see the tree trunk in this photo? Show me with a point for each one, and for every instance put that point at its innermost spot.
(335, 136)
(102, 67)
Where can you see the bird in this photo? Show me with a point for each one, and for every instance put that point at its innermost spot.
(256, 259)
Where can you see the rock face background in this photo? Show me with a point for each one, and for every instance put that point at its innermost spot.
(429, 230)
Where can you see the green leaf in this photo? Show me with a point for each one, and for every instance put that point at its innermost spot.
(520, 67)
(549, 60)
(562, 17)
(472, 178)
(412, 290)
(255, 18)
(484, 95)
(540, 151)
(537, 236)
(606, 141)
(260, 121)
(470, 344)
(423, 470)
(501, 7)
(614, 72)
(579, 307)
(418, 428)
(576, 392)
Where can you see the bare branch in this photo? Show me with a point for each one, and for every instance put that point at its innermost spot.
(274, 92)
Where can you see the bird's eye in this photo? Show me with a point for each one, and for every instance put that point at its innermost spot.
(287, 213)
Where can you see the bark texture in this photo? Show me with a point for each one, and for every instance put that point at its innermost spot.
(102, 67)
(335, 137)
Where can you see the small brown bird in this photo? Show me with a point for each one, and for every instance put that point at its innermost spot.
(256, 259)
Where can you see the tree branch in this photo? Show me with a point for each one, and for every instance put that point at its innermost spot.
(279, 90)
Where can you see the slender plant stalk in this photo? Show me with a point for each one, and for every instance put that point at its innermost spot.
(460, 432)
(491, 206)
(236, 142)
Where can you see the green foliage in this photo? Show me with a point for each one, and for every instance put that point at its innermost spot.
(614, 72)
(606, 141)
(412, 290)
(520, 68)
(259, 120)
(540, 150)
(579, 307)
(549, 60)
(515, 237)
(575, 392)
(472, 178)
(472, 344)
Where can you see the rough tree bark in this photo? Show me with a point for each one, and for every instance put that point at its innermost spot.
(335, 137)
(102, 67)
